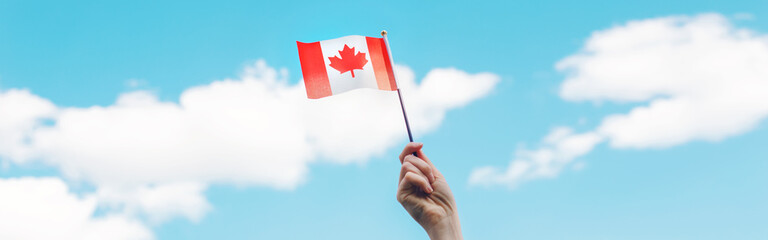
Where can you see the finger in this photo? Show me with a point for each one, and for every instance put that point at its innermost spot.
(424, 157)
(423, 166)
(409, 167)
(409, 149)
(420, 154)
(414, 180)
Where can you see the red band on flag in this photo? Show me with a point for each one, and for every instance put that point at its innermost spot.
(379, 60)
(388, 63)
(313, 69)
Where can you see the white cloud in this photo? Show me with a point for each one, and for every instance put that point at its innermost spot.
(43, 208)
(556, 152)
(702, 79)
(154, 158)
(157, 203)
(20, 114)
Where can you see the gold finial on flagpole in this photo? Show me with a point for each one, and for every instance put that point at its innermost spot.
(383, 33)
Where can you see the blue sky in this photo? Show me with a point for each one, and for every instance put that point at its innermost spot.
(78, 55)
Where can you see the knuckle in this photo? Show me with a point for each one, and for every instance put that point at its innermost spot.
(408, 176)
(418, 162)
(406, 166)
(411, 158)
(411, 176)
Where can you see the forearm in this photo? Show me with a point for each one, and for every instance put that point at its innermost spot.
(447, 229)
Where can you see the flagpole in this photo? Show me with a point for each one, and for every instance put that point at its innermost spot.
(399, 95)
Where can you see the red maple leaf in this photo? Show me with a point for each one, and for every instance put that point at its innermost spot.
(349, 61)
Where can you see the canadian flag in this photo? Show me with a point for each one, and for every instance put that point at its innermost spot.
(347, 63)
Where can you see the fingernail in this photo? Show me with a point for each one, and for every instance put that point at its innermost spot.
(429, 189)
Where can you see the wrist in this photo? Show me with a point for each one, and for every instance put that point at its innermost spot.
(448, 228)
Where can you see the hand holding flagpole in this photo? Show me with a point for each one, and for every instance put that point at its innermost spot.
(366, 62)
